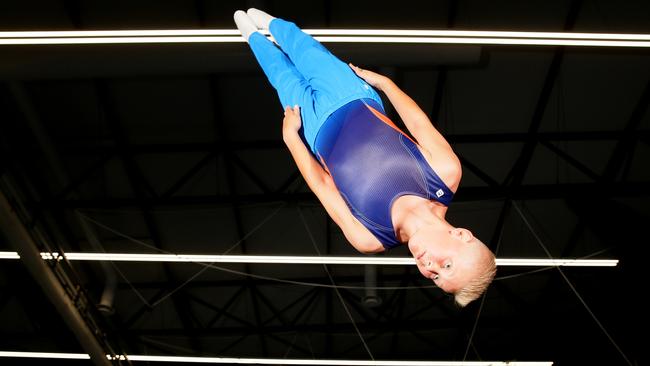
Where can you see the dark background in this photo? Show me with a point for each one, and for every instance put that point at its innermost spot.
(177, 148)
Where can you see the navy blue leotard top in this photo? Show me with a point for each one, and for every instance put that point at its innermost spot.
(373, 163)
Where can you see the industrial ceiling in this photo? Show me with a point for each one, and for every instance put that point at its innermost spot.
(176, 148)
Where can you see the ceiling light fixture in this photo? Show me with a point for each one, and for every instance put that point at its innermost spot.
(271, 361)
(332, 35)
(281, 259)
(326, 32)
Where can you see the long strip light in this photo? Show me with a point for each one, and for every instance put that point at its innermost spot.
(64, 356)
(271, 361)
(333, 39)
(327, 32)
(332, 35)
(280, 259)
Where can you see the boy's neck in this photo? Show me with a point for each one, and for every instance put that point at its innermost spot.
(409, 213)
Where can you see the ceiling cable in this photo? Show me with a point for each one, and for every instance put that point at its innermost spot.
(548, 253)
(484, 296)
(338, 293)
(195, 275)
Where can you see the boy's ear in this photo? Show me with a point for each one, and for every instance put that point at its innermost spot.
(463, 234)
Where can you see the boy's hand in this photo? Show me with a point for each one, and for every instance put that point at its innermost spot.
(370, 77)
(292, 120)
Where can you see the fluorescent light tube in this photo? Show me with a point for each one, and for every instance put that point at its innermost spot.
(557, 262)
(462, 33)
(271, 361)
(10, 255)
(118, 40)
(326, 32)
(282, 259)
(487, 41)
(284, 361)
(66, 356)
(333, 39)
(123, 33)
(332, 35)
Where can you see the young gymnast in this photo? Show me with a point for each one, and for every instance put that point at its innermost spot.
(381, 187)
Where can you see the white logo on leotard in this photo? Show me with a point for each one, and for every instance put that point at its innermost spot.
(439, 193)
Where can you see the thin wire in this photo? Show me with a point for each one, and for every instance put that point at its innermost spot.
(293, 342)
(168, 345)
(114, 231)
(261, 277)
(550, 267)
(541, 243)
(471, 336)
(138, 293)
(117, 269)
(311, 348)
(198, 273)
(302, 283)
(354, 324)
(523, 274)
(480, 309)
(311, 284)
(195, 275)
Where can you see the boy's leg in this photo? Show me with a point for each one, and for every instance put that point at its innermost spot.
(312, 59)
(292, 88)
(332, 80)
(280, 71)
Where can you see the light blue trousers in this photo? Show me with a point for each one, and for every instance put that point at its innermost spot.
(305, 73)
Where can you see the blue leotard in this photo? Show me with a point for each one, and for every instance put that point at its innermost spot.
(373, 163)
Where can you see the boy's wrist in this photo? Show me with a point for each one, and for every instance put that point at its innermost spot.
(289, 135)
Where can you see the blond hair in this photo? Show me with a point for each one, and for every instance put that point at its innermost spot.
(475, 288)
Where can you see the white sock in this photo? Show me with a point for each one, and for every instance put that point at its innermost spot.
(260, 18)
(244, 24)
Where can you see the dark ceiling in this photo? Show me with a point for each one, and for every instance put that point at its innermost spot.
(177, 149)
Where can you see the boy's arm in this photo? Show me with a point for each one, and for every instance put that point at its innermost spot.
(322, 184)
(416, 121)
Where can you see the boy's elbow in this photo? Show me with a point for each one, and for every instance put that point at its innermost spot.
(365, 246)
(367, 249)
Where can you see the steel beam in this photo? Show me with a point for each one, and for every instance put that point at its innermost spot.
(19, 237)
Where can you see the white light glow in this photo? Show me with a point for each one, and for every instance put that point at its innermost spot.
(486, 41)
(557, 262)
(284, 361)
(326, 32)
(123, 33)
(9, 255)
(281, 259)
(66, 356)
(118, 40)
(488, 34)
(272, 361)
(332, 35)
